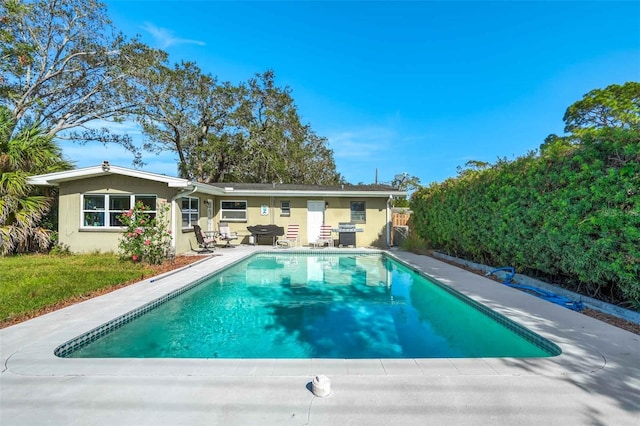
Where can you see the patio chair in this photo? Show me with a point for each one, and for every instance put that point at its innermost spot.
(292, 237)
(225, 234)
(205, 243)
(325, 237)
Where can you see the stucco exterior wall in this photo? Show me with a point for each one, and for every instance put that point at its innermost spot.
(83, 239)
(185, 240)
(337, 210)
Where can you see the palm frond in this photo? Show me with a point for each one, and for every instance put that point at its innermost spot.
(29, 151)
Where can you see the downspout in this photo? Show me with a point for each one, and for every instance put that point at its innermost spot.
(174, 224)
(272, 218)
(388, 220)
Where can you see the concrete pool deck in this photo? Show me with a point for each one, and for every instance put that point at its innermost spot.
(596, 380)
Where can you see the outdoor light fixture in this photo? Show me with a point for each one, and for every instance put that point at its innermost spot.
(105, 166)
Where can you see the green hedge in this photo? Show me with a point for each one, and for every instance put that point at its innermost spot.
(570, 213)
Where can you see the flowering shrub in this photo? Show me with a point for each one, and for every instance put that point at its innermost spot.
(146, 238)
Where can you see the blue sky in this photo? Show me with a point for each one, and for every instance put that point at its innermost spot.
(415, 87)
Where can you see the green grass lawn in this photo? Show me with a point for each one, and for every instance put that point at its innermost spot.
(30, 284)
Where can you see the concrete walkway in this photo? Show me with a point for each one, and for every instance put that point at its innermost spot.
(595, 381)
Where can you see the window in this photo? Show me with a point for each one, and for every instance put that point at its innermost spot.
(235, 211)
(190, 211)
(118, 205)
(358, 212)
(149, 202)
(104, 210)
(93, 210)
(285, 208)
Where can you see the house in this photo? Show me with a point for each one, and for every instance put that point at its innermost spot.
(92, 198)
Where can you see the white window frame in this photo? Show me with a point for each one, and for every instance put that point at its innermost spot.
(364, 212)
(106, 210)
(223, 211)
(285, 212)
(193, 220)
(109, 211)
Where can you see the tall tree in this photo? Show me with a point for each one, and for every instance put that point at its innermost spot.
(64, 66)
(186, 111)
(224, 133)
(23, 154)
(614, 106)
(404, 182)
(278, 147)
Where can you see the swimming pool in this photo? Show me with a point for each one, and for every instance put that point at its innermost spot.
(320, 305)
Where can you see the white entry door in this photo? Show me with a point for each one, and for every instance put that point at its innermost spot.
(315, 219)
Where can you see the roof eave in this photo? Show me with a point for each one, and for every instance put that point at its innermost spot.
(311, 193)
(204, 188)
(55, 179)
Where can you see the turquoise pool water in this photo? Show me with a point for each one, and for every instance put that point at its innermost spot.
(315, 306)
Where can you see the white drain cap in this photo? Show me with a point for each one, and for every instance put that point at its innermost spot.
(321, 386)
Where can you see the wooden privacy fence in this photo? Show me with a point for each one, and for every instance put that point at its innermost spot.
(399, 222)
(400, 219)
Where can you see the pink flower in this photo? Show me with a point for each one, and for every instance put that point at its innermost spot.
(169, 232)
(139, 231)
(147, 242)
(129, 213)
(142, 222)
(131, 234)
(134, 257)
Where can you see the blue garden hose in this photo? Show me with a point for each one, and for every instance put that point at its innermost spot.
(543, 294)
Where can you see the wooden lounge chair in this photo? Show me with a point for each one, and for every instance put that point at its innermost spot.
(205, 243)
(225, 234)
(292, 237)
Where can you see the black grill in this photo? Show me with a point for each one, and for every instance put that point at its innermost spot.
(346, 234)
(272, 231)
